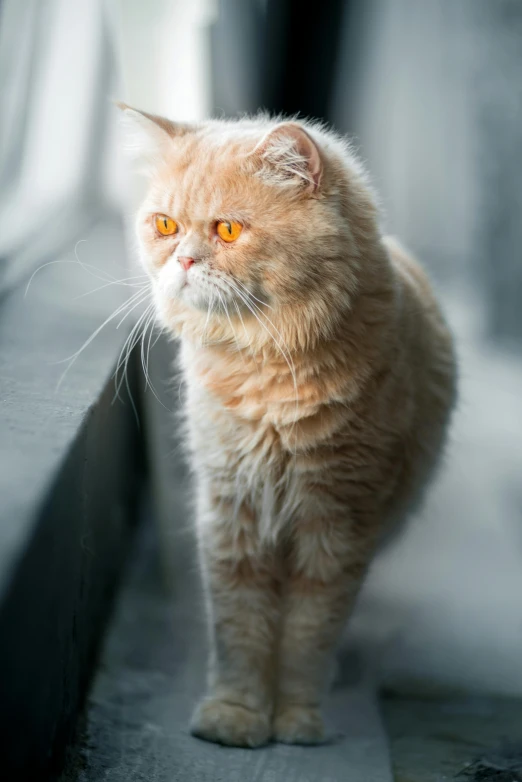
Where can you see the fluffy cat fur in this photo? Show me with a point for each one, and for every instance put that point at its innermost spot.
(319, 377)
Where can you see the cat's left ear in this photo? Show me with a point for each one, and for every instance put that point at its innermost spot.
(147, 137)
(291, 157)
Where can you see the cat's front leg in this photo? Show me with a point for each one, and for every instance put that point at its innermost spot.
(242, 600)
(325, 570)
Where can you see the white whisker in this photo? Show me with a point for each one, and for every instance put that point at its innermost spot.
(256, 364)
(145, 292)
(136, 416)
(152, 327)
(124, 282)
(132, 303)
(128, 346)
(209, 309)
(250, 294)
(85, 266)
(138, 333)
(284, 352)
(224, 305)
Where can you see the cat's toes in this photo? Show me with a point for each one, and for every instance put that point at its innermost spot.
(299, 725)
(229, 723)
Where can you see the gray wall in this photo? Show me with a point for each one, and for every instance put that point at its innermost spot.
(433, 94)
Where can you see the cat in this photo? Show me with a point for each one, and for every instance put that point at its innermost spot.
(319, 376)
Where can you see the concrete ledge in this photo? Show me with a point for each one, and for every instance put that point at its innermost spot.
(70, 482)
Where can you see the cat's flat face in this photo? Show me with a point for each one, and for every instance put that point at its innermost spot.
(230, 230)
(241, 216)
(247, 238)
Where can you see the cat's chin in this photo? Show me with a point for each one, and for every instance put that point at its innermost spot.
(194, 297)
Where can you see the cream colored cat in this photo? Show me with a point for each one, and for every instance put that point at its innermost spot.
(319, 376)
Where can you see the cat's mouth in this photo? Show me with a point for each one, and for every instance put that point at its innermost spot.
(213, 292)
(201, 292)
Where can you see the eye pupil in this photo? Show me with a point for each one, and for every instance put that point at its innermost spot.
(165, 225)
(228, 230)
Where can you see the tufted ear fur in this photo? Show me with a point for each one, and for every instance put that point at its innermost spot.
(290, 157)
(148, 136)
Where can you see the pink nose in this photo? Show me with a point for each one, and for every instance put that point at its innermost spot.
(186, 263)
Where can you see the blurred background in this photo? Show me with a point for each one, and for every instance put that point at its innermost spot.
(431, 93)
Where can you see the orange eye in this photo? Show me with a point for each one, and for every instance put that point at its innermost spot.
(166, 226)
(228, 231)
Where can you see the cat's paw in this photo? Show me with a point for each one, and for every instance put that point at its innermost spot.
(230, 723)
(295, 724)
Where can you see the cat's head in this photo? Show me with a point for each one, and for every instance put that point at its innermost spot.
(251, 221)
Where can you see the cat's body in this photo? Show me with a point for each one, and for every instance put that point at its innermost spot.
(319, 380)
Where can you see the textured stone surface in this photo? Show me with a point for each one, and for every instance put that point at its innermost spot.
(441, 737)
(69, 487)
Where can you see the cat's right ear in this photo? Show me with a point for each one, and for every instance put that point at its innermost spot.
(148, 137)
